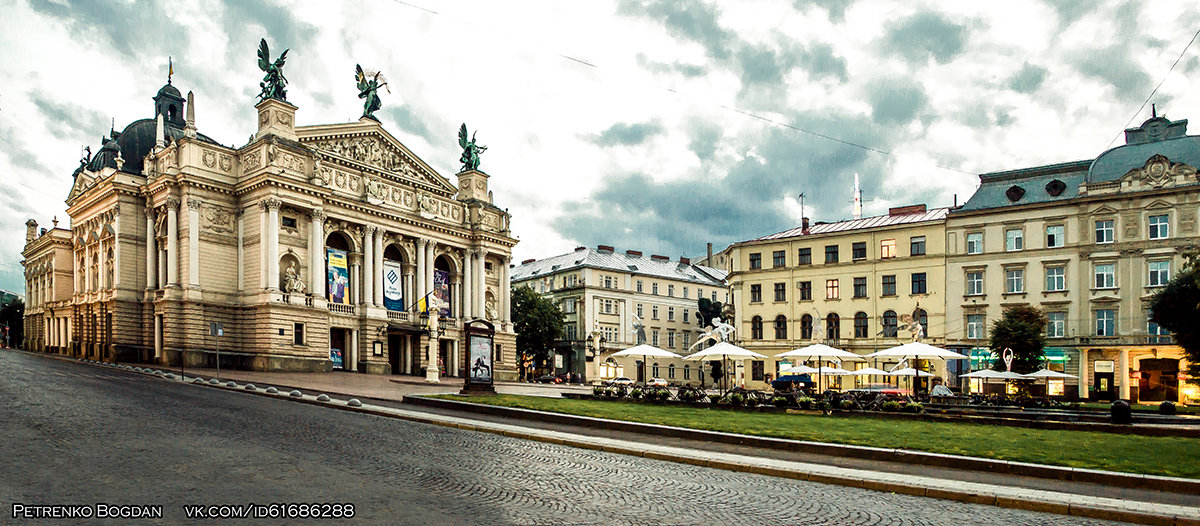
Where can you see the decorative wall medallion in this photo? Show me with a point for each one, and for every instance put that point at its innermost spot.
(429, 205)
(408, 199)
(219, 219)
(209, 158)
(226, 162)
(283, 118)
(251, 161)
(479, 184)
(264, 118)
(340, 179)
(396, 195)
(293, 162)
(354, 182)
(1131, 224)
(1160, 171)
(456, 213)
(376, 191)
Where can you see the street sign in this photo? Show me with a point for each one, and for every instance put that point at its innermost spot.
(216, 329)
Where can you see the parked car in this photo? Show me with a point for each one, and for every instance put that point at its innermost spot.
(547, 379)
(657, 382)
(789, 382)
(620, 381)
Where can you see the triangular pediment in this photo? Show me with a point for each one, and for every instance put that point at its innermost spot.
(83, 180)
(1159, 204)
(366, 144)
(1102, 210)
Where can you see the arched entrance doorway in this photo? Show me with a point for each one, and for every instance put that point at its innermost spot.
(337, 269)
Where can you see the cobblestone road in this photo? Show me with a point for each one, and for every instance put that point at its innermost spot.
(80, 434)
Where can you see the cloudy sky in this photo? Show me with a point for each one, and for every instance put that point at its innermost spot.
(654, 125)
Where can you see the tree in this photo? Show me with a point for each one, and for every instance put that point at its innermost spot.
(538, 322)
(1177, 307)
(1021, 329)
(706, 310)
(12, 315)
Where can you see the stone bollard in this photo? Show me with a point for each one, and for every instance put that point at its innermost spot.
(272, 390)
(353, 402)
(323, 398)
(296, 394)
(1121, 412)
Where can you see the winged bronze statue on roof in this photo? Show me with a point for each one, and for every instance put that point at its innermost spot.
(274, 83)
(471, 151)
(369, 83)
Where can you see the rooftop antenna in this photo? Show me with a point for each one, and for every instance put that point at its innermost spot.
(801, 205)
(1153, 111)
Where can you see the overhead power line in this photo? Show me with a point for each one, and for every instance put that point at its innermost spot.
(1155, 91)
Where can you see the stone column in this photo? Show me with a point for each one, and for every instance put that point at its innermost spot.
(429, 263)
(456, 293)
(193, 241)
(431, 369)
(101, 285)
(241, 252)
(1083, 373)
(172, 241)
(151, 252)
(409, 291)
(352, 356)
(368, 264)
(468, 284)
(263, 232)
(116, 247)
(506, 292)
(355, 296)
(272, 205)
(481, 292)
(421, 267)
(1123, 371)
(316, 250)
(378, 266)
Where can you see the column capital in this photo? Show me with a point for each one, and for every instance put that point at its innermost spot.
(270, 203)
(370, 230)
(194, 203)
(149, 210)
(172, 203)
(318, 214)
(421, 242)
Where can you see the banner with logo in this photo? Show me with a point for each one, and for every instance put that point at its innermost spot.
(335, 356)
(393, 286)
(339, 276)
(441, 289)
(479, 351)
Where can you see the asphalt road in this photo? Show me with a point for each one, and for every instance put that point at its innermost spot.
(81, 434)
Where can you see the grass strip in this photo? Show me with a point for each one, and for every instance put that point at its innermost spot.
(1168, 456)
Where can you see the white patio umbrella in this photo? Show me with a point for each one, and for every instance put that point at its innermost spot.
(992, 373)
(800, 369)
(917, 351)
(909, 371)
(1048, 374)
(819, 351)
(724, 350)
(867, 371)
(646, 351)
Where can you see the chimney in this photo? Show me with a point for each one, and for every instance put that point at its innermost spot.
(30, 230)
(577, 249)
(709, 260)
(604, 248)
(804, 225)
(910, 209)
(634, 253)
(527, 261)
(684, 261)
(657, 257)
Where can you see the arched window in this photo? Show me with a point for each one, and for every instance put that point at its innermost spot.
(923, 319)
(860, 325)
(108, 269)
(756, 328)
(687, 372)
(654, 370)
(781, 327)
(337, 268)
(889, 324)
(833, 325)
(806, 327)
(671, 372)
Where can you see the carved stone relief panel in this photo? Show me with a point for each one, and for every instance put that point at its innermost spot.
(210, 158)
(1187, 221)
(217, 219)
(1132, 225)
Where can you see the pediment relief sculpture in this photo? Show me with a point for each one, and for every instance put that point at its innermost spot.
(1159, 171)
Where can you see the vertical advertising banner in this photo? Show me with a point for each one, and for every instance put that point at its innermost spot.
(335, 356)
(480, 355)
(393, 286)
(441, 289)
(339, 276)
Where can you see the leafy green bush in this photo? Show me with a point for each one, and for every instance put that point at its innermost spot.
(664, 394)
(622, 391)
(636, 393)
(913, 407)
(781, 401)
(751, 401)
(890, 406)
(598, 391)
(687, 396)
(1166, 408)
(804, 402)
(821, 405)
(737, 399)
(846, 405)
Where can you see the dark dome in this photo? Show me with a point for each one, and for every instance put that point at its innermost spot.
(106, 157)
(137, 140)
(170, 90)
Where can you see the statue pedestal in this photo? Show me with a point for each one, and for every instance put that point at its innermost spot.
(276, 117)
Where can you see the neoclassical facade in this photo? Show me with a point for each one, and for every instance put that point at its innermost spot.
(1090, 243)
(310, 246)
(603, 293)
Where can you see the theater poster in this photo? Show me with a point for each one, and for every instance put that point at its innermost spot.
(339, 276)
(393, 286)
(441, 289)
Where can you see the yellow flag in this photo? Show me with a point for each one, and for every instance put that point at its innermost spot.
(422, 306)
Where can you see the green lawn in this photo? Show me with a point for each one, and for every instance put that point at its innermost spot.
(1172, 456)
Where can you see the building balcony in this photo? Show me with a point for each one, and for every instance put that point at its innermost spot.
(338, 308)
(395, 315)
